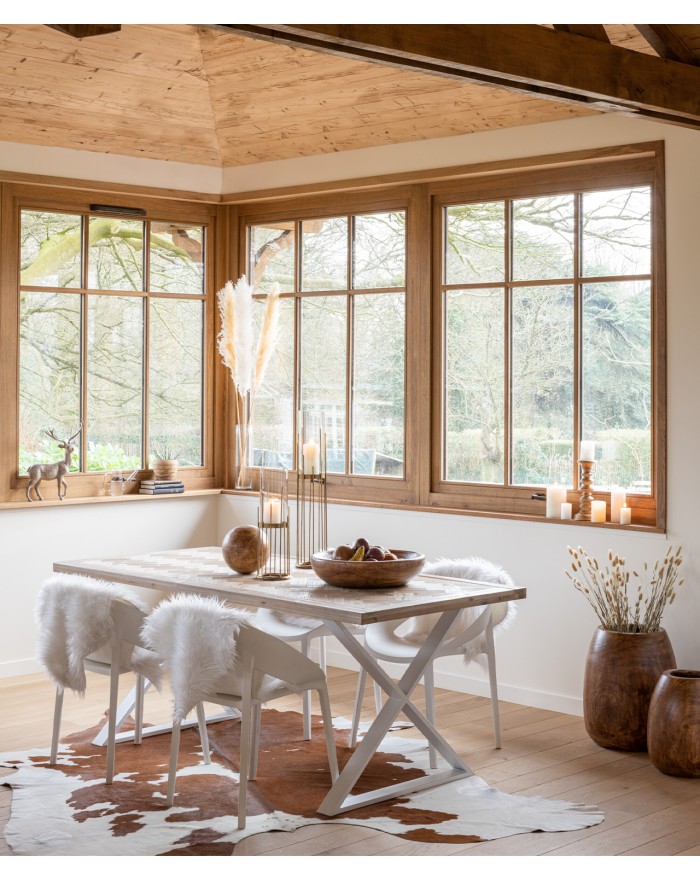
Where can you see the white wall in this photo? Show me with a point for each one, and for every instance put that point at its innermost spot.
(32, 539)
(541, 658)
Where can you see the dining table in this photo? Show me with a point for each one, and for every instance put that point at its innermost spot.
(203, 570)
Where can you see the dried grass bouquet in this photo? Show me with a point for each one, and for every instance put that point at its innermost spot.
(608, 592)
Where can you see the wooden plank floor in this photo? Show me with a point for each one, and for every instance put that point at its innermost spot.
(544, 753)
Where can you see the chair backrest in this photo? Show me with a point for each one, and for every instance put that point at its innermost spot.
(75, 621)
(128, 620)
(210, 647)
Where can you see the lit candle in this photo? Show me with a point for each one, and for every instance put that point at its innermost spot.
(598, 511)
(312, 458)
(625, 515)
(618, 497)
(566, 510)
(587, 450)
(272, 511)
(555, 495)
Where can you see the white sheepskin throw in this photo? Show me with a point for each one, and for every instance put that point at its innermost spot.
(74, 617)
(195, 637)
(472, 568)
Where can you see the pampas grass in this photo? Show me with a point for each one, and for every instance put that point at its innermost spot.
(246, 361)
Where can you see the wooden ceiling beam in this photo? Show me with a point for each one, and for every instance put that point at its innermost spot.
(666, 43)
(523, 58)
(85, 30)
(591, 31)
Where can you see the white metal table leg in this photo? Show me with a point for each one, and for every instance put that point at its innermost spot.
(339, 800)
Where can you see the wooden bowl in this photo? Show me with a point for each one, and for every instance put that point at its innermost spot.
(368, 575)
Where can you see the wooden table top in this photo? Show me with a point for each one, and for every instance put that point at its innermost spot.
(203, 570)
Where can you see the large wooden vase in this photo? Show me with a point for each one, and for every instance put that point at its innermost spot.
(622, 670)
(673, 730)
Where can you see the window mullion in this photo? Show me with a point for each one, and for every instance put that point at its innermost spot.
(507, 345)
(84, 299)
(145, 367)
(578, 338)
(349, 383)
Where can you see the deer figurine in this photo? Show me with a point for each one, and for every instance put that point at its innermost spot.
(56, 470)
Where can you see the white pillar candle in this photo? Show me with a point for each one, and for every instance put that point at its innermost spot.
(598, 510)
(312, 458)
(625, 515)
(618, 496)
(272, 511)
(566, 510)
(555, 495)
(587, 450)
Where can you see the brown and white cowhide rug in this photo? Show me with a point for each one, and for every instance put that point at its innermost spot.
(68, 809)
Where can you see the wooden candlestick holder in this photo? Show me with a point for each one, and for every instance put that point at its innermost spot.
(584, 510)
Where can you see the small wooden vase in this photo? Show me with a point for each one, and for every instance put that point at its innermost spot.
(165, 468)
(622, 670)
(673, 731)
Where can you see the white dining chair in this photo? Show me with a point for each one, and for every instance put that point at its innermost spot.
(87, 625)
(471, 635)
(214, 654)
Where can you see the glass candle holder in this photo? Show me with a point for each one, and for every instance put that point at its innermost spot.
(273, 526)
(312, 495)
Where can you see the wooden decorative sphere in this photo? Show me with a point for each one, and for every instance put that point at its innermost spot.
(240, 549)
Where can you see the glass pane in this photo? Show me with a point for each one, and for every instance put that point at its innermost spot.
(323, 369)
(617, 402)
(115, 254)
(474, 381)
(617, 232)
(324, 254)
(115, 382)
(273, 412)
(177, 258)
(543, 238)
(175, 374)
(49, 375)
(543, 385)
(378, 384)
(272, 257)
(475, 246)
(379, 250)
(51, 249)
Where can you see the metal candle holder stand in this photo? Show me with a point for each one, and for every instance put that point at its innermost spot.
(273, 527)
(585, 509)
(312, 502)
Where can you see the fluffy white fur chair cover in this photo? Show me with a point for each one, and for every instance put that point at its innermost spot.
(74, 619)
(472, 568)
(195, 637)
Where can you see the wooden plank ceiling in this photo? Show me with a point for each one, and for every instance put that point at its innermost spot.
(205, 96)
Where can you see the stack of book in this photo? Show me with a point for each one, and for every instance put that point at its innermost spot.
(160, 487)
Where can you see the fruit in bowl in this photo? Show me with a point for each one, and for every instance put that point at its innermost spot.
(363, 551)
(366, 566)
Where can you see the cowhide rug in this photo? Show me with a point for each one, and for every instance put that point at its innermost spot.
(68, 809)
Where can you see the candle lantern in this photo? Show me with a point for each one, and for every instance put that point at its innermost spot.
(312, 497)
(273, 523)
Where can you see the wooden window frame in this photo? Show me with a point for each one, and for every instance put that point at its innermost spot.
(649, 509)
(18, 197)
(389, 491)
(424, 195)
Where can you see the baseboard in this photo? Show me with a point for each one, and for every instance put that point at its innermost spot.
(12, 668)
(464, 684)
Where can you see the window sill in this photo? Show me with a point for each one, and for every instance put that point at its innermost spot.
(103, 499)
(484, 514)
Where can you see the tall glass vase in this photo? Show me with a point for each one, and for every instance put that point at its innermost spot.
(244, 442)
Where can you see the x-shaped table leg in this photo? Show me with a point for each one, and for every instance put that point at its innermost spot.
(339, 800)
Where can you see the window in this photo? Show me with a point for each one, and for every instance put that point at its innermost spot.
(342, 339)
(112, 317)
(546, 297)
